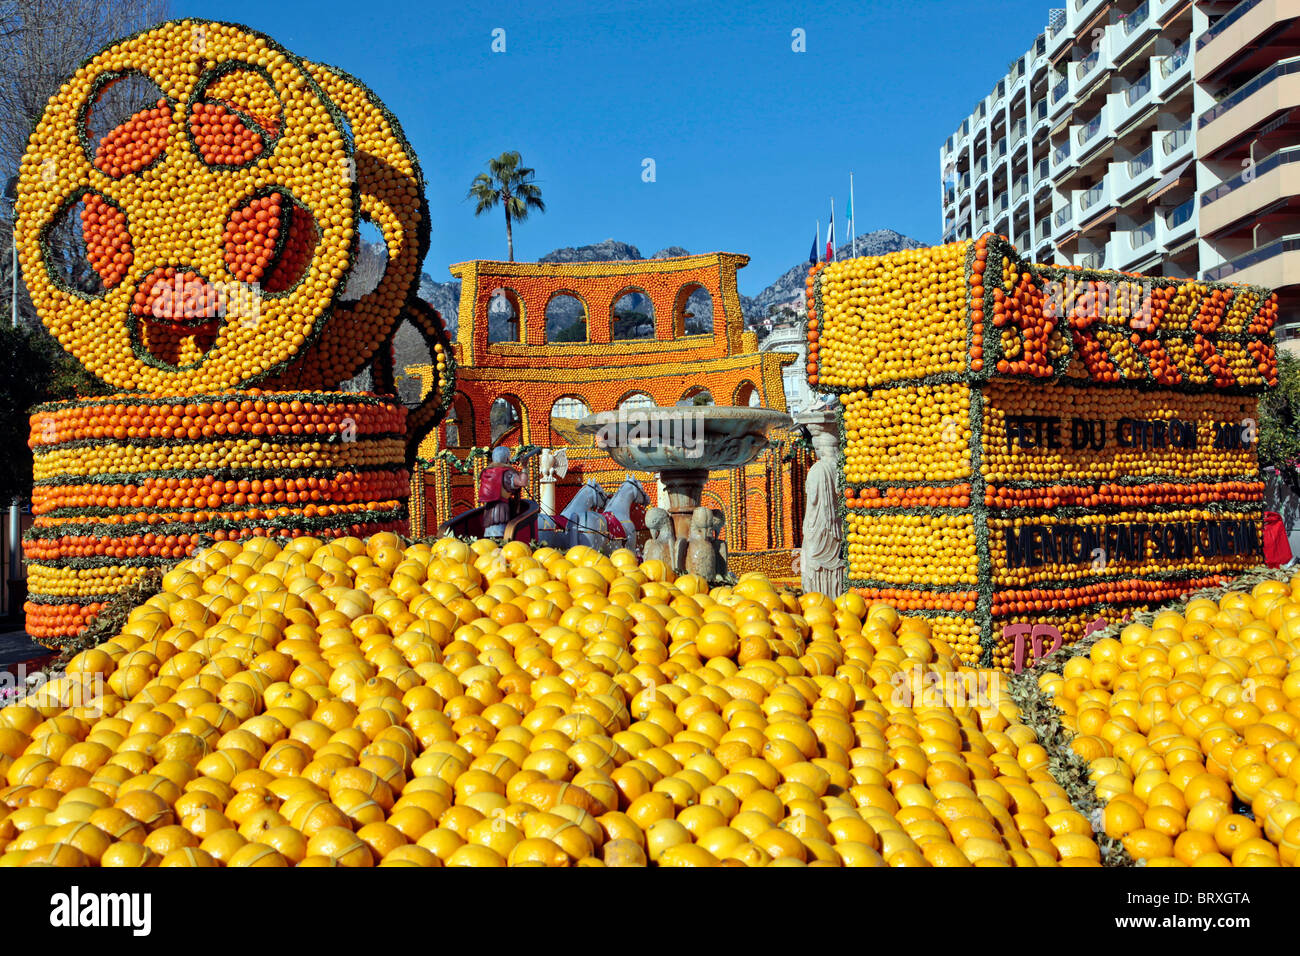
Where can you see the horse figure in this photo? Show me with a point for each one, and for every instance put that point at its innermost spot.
(581, 521)
(625, 514)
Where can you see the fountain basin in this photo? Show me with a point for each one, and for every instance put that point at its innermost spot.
(682, 445)
(684, 438)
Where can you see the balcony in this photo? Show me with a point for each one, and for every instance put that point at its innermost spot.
(1091, 260)
(1173, 147)
(949, 196)
(1270, 181)
(1061, 157)
(1084, 67)
(1272, 264)
(1129, 104)
(1134, 29)
(1092, 202)
(1063, 220)
(963, 181)
(1016, 77)
(1176, 224)
(1080, 12)
(1000, 205)
(1039, 113)
(1093, 133)
(981, 168)
(1251, 104)
(999, 150)
(1019, 189)
(1173, 69)
(1042, 174)
(1131, 174)
(1018, 131)
(1244, 25)
(1135, 244)
(1059, 96)
(1058, 36)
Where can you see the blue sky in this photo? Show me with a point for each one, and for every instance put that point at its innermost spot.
(749, 138)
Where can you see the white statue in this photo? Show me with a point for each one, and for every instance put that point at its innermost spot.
(552, 465)
(820, 559)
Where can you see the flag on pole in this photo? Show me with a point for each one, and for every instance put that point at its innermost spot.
(830, 235)
(812, 256)
(848, 214)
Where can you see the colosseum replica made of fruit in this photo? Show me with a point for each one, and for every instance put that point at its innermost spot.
(219, 212)
(1030, 447)
(691, 341)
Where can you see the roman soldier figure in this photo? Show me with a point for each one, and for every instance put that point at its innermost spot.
(499, 486)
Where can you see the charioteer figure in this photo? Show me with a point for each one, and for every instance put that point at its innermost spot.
(500, 488)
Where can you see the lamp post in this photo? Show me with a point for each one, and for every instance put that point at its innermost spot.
(15, 582)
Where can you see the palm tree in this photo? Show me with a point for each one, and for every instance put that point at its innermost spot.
(510, 184)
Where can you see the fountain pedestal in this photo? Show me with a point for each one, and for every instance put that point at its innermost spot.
(685, 489)
(682, 445)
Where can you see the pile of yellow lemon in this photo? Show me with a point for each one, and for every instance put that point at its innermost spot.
(1191, 727)
(377, 703)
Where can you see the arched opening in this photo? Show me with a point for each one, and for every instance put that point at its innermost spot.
(747, 395)
(632, 317)
(458, 424)
(505, 316)
(635, 400)
(694, 311)
(371, 262)
(567, 411)
(697, 395)
(566, 318)
(507, 420)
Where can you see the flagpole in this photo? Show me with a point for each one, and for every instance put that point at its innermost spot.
(819, 240)
(853, 211)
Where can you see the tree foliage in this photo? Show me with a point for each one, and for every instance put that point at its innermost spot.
(33, 369)
(1279, 421)
(511, 185)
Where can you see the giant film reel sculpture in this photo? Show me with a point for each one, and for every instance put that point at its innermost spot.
(219, 223)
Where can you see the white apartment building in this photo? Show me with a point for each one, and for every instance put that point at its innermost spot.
(1154, 136)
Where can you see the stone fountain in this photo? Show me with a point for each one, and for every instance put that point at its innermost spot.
(682, 445)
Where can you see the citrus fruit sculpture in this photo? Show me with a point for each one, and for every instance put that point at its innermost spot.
(220, 223)
(1039, 448)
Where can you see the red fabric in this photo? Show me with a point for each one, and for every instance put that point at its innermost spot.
(614, 526)
(1277, 549)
